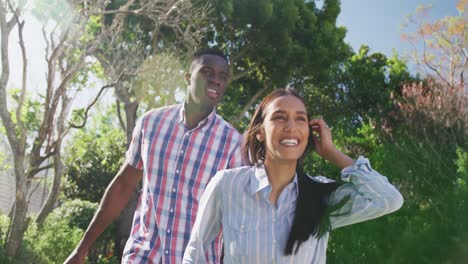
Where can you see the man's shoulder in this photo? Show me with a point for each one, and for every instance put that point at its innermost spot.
(156, 112)
(223, 124)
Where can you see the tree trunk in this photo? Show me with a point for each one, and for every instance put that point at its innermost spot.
(18, 223)
(54, 190)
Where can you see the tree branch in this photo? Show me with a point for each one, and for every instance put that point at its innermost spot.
(246, 107)
(241, 74)
(85, 118)
(19, 121)
(5, 29)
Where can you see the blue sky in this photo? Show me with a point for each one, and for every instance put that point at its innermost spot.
(376, 23)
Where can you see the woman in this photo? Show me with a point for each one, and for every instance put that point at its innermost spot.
(271, 211)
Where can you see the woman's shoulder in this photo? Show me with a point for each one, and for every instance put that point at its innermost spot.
(234, 175)
(237, 171)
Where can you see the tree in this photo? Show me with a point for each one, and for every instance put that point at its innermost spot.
(36, 127)
(274, 43)
(435, 108)
(444, 54)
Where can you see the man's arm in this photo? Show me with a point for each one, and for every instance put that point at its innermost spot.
(113, 202)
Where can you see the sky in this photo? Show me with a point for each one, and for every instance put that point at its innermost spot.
(377, 23)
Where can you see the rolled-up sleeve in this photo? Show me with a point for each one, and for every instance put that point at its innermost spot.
(207, 224)
(133, 155)
(367, 193)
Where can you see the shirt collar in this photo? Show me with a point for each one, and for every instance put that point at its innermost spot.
(259, 180)
(202, 123)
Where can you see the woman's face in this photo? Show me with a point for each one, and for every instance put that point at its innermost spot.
(285, 130)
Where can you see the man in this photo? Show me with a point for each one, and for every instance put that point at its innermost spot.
(175, 150)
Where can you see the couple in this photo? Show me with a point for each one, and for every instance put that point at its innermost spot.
(270, 211)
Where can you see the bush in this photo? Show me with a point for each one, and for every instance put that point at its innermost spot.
(53, 242)
(61, 232)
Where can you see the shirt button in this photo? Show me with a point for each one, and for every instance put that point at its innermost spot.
(174, 190)
(274, 241)
(171, 210)
(274, 220)
(166, 252)
(168, 231)
(182, 151)
(177, 171)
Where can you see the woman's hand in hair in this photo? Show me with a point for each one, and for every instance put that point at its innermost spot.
(322, 137)
(324, 146)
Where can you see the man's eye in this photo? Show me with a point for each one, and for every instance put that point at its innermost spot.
(279, 118)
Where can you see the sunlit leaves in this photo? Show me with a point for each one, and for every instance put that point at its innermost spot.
(31, 112)
(160, 78)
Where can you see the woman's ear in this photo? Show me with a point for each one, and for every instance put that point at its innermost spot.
(260, 136)
(187, 78)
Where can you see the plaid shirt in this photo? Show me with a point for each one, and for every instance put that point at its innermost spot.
(177, 165)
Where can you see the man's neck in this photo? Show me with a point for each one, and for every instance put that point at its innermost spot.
(194, 114)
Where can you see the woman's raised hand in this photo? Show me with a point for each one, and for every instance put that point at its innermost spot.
(324, 146)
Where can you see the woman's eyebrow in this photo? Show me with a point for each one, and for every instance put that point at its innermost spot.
(280, 111)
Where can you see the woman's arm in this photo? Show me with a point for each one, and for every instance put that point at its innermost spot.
(369, 195)
(207, 223)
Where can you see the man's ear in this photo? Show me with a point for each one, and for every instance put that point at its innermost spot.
(187, 78)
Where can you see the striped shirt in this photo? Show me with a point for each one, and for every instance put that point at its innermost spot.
(177, 165)
(256, 231)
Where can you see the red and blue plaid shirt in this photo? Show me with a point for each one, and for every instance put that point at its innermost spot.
(177, 165)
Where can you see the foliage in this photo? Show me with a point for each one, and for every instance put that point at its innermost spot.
(360, 91)
(58, 237)
(63, 229)
(273, 43)
(92, 159)
(54, 241)
(432, 224)
(433, 103)
(160, 80)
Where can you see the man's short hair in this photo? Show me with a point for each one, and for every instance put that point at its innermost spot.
(207, 51)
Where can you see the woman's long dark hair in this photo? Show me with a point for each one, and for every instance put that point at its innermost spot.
(311, 216)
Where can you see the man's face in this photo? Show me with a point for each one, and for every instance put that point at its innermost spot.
(207, 80)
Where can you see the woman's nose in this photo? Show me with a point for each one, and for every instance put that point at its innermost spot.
(290, 125)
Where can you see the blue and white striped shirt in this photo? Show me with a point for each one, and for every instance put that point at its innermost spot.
(256, 231)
